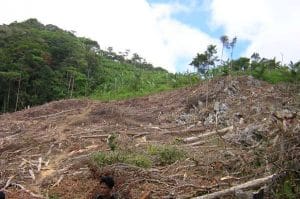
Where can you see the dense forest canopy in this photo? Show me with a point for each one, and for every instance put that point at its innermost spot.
(40, 63)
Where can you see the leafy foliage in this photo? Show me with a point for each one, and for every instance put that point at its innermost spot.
(262, 68)
(204, 60)
(41, 63)
(156, 154)
(112, 142)
(166, 154)
(113, 157)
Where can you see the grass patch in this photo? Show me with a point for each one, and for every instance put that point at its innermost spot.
(166, 154)
(54, 196)
(289, 188)
(113, 157)
(154, 155)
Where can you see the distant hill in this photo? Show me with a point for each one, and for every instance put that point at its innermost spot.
(40, 63)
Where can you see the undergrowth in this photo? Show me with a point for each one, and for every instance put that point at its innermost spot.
(154, 155)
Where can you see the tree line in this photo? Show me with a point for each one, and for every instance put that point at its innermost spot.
(40, 63)
(209, 64)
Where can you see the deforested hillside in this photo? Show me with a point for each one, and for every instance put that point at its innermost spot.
(229, 137)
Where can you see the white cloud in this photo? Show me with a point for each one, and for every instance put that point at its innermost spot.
(146, 29)
(271, 26)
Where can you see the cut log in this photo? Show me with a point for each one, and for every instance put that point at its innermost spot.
(27, 191)
(247, 185)
(54, 114)
(58, 181)
(95, 136)
(196, 143)
(31, 174)
(185, 131)
(39, 166)
(221, 132)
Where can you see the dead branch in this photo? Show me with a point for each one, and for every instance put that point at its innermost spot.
(32, 174)
(196, 143)
(50, 150)
(27, 191)
(58, 181)
(95, 136)
(247, 185)
(39, 166)
(140, 134)
(220, 132)
(8, 182)
(55, 114)
(185, 131)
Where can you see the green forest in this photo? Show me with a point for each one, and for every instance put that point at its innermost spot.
(41, 63)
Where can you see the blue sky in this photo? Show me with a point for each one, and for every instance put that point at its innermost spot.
(200, 17)
(169, 33)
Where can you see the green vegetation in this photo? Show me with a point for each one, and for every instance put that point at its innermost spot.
(112, 142)
(166, 154)
(41, 63)
(155, 155)
(269, 70)
(122, 81)
(54, 196)
(113, 157)
(288, 188)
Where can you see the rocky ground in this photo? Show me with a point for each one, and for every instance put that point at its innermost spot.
(233, 130)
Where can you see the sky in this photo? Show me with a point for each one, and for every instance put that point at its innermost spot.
(169, 33)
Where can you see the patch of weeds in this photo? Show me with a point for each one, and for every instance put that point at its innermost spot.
(289, 189)
(178, 140)
(112, 141)
(153, 149)
(139, 160)
(161, 154)
(166, 154)
(113, 157)
(54, 196)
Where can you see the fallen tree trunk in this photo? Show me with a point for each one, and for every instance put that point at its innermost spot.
(187, 131)
(247, 185)
(95, 136)
(198, 137)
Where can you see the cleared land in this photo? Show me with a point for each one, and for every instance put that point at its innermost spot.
(247, 130)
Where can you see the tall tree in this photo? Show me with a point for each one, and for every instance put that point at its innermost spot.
(255, 57)
(225, 41)
(204, 60)
(202, 63)
(232, 45)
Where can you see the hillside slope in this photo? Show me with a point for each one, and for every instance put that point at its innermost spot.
(41, 63)
(47, 149)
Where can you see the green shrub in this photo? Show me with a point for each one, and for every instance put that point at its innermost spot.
(166, 154)
(112, 142)
(139, 160)
(113, 157)
(276, 76)
(54, 196)
(161, 154)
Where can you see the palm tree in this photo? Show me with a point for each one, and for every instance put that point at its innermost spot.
(255, 57)
(232, 45)
(224, 39)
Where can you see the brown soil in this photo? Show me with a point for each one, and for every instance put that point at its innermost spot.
(63, 134)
